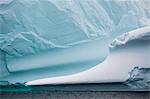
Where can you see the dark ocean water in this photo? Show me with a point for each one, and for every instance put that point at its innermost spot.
(71, 88)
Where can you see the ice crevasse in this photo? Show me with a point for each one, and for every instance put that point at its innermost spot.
(46, 38)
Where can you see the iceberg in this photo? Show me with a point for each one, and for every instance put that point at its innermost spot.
(48, 38)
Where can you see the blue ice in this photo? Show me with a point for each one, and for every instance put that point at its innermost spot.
(46, 38)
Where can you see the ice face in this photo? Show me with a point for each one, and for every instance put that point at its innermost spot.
(139, 78)
(33, 26)
(53, 37)
(3, 65)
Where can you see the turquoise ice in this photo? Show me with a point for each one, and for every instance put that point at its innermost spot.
(46, 38)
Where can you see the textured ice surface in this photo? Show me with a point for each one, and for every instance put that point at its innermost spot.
(31, 26)
(139, 78)
(3, 65)
(142, 33)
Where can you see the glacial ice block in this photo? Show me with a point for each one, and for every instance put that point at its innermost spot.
(139, 78)
(46, 38)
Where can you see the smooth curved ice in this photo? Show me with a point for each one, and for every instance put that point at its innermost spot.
(127, 63)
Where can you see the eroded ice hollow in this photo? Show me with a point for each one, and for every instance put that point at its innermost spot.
(46, 38)
(128, 61)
